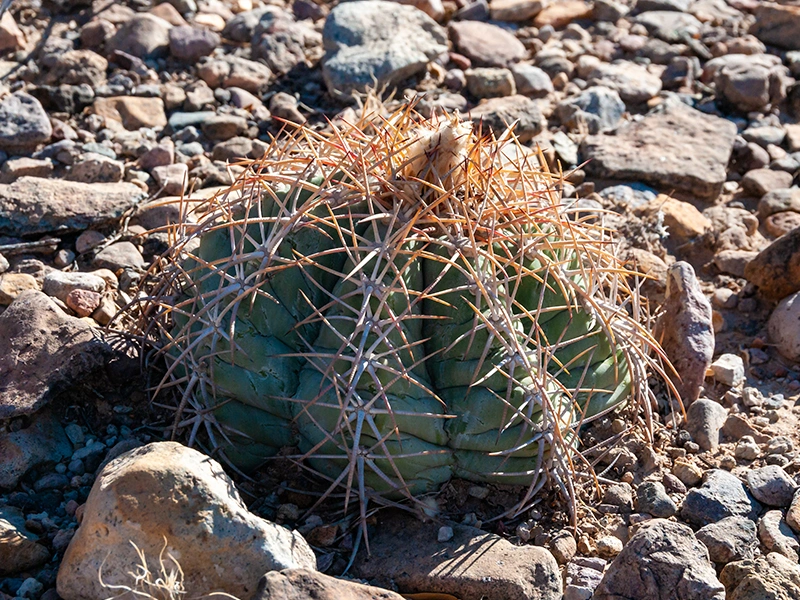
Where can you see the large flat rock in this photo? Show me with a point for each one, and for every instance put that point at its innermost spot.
(42, 350)
(472, 565)
(677, 149)
(34, 205)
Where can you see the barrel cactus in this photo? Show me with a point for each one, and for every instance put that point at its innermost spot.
(401, 301)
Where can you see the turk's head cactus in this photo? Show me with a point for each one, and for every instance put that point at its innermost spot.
(402, 302)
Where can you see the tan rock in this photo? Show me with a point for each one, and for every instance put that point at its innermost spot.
(782, 223)
(169, 13)
(19, 550)
(682, 220)
(301, 584)
(13, 284)
(561, 14)
(166, 491)
(11, 37)
(132, 111)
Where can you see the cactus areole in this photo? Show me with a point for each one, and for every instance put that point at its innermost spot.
(402, 302)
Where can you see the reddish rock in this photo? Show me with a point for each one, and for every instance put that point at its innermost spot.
(83, 302)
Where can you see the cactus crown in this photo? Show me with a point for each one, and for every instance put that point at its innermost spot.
(404, 301)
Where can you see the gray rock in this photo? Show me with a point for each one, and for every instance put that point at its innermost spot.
(486, 45)
(776, 536)
(629, 195)
(771, 485)
(764, 135)
(634, 83)
(96, 168)
(60, 283)
(242, 26)
(673, 27)
(497, 114)
(371, 43)
(42, 351)
(4, 264)
(760, 181)
(686, 330)
(704, 421)
(486, 82)
(678, 148)
(531, 81)
(473, 565)
(166, 487)
(224, 127)
(582, 577)
(674, 5)
(189, 44)
(732, 538)
(32, 205)
(282, 42)
(42, 442)
(749, 84)
(234, 71)
(773, 577)
(599, 109)
(121, 255)
(721, 495)
(662, 561)
(609, 10)
(294, 584)
(777, 25)
(23, 123)
(143, 36)
(784, 327)
(652, 498)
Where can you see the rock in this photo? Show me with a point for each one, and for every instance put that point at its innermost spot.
(609, 10)
(582, 577)
(776, 269)
(75, 67)
(59, 284)
(42, 442)
(778, 201)
(11, 37)
(133, 112)
(563, 547)
(746, 448)
(531, 81)
(172, 179)
(777, 25)
(682, 220)
(143, 36)
(371, 41)
(748, 83)
(14, 284)
(32, 205)
(233, 71)
(652, 498)
(760, 181)
(776, 536)
(486, 45)
(664, 561)
(634, 83)
(15, 168)
(704, 421)
(764, 578)
(19, 550)
(96, 168)
(732, 538)
(23, 123)
(733, 262)
(598, 108)
(42, 350)
(83, 302)
(728, 369)
(224, 127)
(284, 106)
(721, 495)
(514, 11)
(771, 485)
(679, 148)
(473, 565)
(497, 114)
(670, 26)
(686, 330)
(609, 546)
(298, 584)
(490, 83)
(688, 473)
(167, 490)
(282, 42)
(793, 514)
(781, 223)
(120, 255)
(189, 44)
(560, 14)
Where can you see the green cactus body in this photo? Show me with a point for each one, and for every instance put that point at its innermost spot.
(396, 344)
